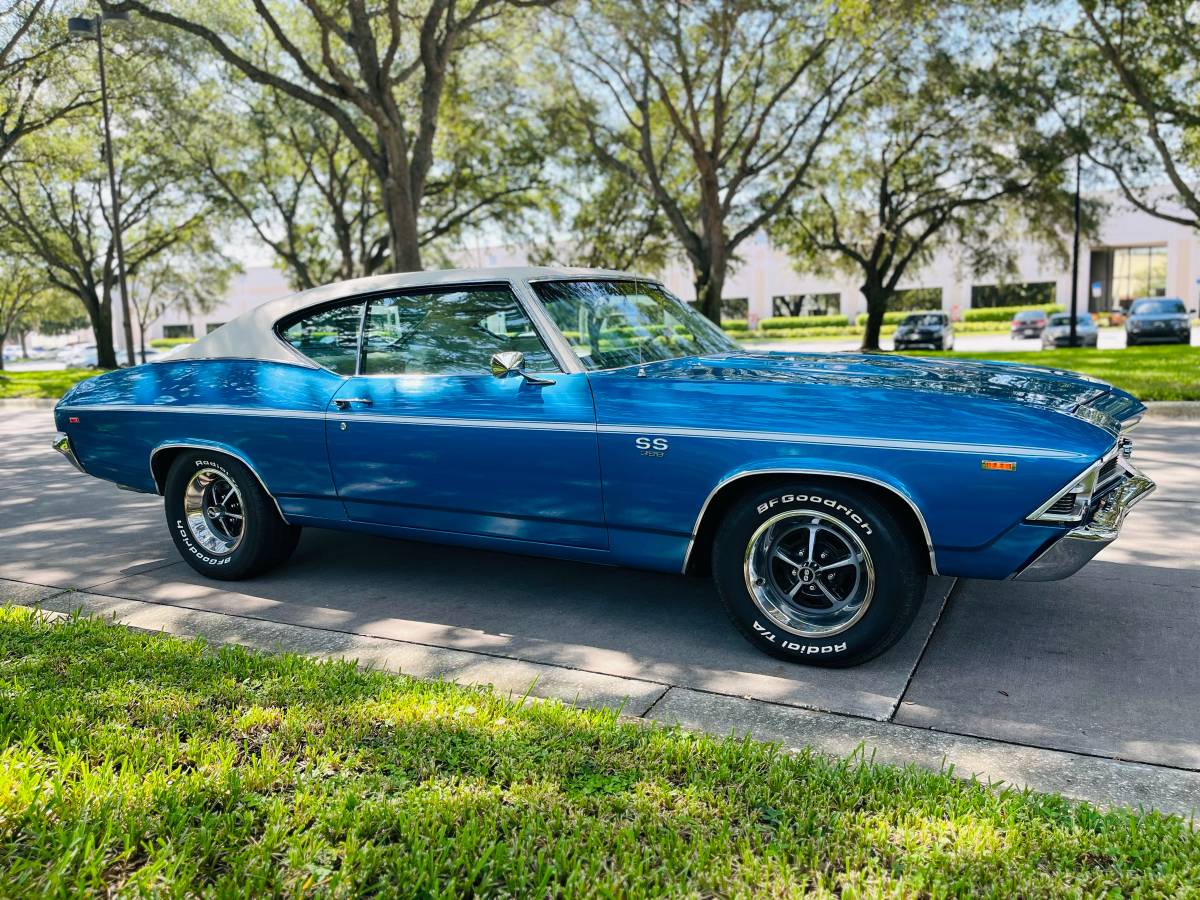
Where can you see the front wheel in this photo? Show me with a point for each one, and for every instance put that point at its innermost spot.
(818, 573)
(223, 522)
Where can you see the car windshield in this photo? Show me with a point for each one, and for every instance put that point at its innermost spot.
(610, 323)
(1031, 315)
(928, 320)
(1064, 319)
(1157, 308)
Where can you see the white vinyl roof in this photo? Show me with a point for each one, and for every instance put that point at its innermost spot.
(251, 335)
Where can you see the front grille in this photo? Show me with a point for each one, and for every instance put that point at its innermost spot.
(1064, 506)
(1107, 471)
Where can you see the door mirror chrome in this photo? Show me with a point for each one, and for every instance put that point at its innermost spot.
(512, 362)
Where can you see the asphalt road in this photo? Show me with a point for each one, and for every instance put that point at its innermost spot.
(1101, 664)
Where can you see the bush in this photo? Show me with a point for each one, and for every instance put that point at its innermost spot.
(790, 323)
(891, 317)
(735, 325)
(168, 343)
(1004, 313)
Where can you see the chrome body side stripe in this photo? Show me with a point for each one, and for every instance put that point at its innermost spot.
(648, 430)
(837, 440)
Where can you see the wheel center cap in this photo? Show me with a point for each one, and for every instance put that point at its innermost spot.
(807, 575)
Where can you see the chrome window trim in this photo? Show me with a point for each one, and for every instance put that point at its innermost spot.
(525, 298)
(236, 454)
(824, 472)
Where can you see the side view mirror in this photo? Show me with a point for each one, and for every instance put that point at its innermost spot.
(512, 362)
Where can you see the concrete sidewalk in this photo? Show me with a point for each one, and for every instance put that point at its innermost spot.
(1086, 687)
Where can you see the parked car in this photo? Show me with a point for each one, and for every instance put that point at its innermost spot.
(1158, 319)
(12, 353)
(925, 329)
(80, 356)
(1029, 323)
(1058, 331)
(590, 415)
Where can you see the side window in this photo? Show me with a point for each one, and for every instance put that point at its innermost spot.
(449, 333)
(329, 337)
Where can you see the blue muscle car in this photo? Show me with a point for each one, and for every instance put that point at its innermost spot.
(590, 415)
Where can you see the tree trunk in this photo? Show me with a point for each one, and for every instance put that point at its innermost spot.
(877, 297)
(709, 280)
(102, 330)
(401, 215)
(21, 336)
(1, 354)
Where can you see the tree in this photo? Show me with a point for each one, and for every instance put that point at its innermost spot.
(20, 287)
(52, 312)
(378, 71)
(716, 109)
(1136, 64)
(192, 279)
(37, 88)
(51, 199)
(949, 150)
(299, 185)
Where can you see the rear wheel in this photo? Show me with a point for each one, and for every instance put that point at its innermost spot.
(817, 573)
(224, 524)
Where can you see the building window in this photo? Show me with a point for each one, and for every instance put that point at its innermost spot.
(916, 299)
(1139, 272)
(1030, 293)
(806, 305)
(735, 307)
(212, 326)
(178, 331)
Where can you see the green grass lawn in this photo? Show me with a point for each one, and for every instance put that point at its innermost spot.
(42, 384)
(134, 764)
(1164, 372)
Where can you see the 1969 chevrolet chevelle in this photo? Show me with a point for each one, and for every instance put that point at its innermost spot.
(592, 416)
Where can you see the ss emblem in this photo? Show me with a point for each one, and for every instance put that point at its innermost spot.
(651, 446)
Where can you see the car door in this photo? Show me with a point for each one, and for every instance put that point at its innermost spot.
(425, 436)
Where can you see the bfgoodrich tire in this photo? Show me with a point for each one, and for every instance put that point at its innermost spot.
(818, 573)
(224, 524)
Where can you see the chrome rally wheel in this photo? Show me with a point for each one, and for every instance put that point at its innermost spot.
(809, 574)
(224, 523)
(827, 572)
(214, 511)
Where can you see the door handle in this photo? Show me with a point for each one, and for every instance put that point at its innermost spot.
(344, 402)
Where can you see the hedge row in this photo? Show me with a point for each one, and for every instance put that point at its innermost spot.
(791, 323)
(167, 343)
(891, 317)
(1004, 313)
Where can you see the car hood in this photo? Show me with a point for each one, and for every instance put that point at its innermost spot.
(1030, 386)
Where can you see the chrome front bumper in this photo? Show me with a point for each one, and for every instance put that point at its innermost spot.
(1075, 549)
(62, 444)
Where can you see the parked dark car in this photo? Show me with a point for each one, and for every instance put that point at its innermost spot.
(1028, 324)
(1158, 319)
(925, 329)
(1058, 331)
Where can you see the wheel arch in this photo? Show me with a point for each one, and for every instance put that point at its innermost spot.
(163, 455)
(698, 556)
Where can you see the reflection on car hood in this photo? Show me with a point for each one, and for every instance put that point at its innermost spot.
(1031, 385)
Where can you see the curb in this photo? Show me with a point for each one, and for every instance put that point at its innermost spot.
(1173, 409)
